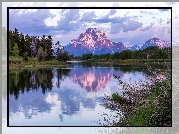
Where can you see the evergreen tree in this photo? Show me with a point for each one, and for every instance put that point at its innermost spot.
(27, 45)
(15, 51)
(49, 47)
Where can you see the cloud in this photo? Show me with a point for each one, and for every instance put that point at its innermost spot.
(115, 28)
(105, 19)
(33, 22)
(91, 17)
(69, 22)
(147, 27)
(30, 22)
(131, 26)
(147, 12)
(112, 11)
(88, 16)
(160, 21)
(118, 23)
(125, 25)
(139, 37)
(168, 21)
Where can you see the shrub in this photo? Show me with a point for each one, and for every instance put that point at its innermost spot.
(144, 103)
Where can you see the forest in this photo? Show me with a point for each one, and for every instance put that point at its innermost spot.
(41, 48)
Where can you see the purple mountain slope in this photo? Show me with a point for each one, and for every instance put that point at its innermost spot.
(95, 42)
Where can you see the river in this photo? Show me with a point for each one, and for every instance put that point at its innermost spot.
(69, 96)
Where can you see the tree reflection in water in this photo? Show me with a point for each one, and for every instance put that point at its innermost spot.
(26, 80)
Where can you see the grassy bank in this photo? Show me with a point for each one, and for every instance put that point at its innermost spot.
(155, 110)
(143, 104)
(17, 62)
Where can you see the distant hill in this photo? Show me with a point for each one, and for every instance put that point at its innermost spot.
(155, 42)
(133, 48)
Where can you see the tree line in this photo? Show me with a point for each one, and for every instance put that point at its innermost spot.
(152, 52)
(25, 46)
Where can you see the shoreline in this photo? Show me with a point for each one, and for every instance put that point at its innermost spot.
(68, 63)
(15, 67)
(36, 66)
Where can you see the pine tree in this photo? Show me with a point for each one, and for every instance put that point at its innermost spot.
(15, 51)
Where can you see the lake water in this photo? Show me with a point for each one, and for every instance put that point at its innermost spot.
(69, 96)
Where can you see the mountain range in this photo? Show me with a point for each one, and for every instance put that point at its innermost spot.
(95, 42)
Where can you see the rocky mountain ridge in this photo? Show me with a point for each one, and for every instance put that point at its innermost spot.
(95, 42)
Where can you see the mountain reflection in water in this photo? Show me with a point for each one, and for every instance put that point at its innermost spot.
(93, 79)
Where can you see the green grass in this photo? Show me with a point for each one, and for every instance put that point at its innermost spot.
(16, 62)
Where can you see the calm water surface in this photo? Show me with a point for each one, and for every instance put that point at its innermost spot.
(65, 97)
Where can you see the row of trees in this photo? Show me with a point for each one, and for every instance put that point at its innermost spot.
(152, 52)
(34, 46)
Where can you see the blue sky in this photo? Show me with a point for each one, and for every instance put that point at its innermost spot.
(130, 26)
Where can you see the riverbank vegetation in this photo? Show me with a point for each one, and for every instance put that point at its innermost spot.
(147, 103)
(18, 62)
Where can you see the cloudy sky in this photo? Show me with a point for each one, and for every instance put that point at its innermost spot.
(130, 26)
